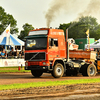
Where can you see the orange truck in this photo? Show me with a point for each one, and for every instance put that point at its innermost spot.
(46, 51)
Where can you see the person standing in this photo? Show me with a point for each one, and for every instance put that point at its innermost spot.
(3, 53)
(16, 53)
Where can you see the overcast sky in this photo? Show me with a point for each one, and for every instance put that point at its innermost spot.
(33, 12)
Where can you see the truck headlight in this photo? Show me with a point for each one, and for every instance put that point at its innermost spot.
(44, 63)
(26, 63)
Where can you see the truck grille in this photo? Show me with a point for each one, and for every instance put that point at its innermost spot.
(38, 56)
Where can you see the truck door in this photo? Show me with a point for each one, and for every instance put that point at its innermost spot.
(62, 51)
(53, 48)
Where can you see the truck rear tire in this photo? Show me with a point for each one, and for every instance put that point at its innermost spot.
(89, 70)
(58, 70)
(36, 73)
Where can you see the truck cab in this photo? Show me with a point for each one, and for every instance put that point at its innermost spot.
(45, 48)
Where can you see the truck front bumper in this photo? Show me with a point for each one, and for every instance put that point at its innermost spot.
(37, 67)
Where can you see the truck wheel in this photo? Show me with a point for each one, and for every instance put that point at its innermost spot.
(36, 73)
(91, 70)
(58, 70)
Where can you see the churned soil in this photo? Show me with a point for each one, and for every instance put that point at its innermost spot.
(38, 93)
(50, 91)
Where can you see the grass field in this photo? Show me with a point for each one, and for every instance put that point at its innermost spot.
(12, 69)
(48, 83)
(40, 84)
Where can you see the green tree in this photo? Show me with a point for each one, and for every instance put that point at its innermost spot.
(64, 27)
(25, 31)
(91, 24)
(5, 20)
(77, 29)
(97, 33)
(89, 21)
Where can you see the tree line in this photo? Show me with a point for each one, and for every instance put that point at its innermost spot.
(76, 29)
(6, 19)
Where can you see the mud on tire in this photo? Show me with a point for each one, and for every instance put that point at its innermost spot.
(58, 70)
(89, 70)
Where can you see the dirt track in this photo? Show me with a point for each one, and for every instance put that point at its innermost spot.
(9, 78)
(65, 92)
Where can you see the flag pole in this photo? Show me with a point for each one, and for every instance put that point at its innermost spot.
(87, 33)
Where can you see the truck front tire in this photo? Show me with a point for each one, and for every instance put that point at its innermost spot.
(36, 73)
(58, 70)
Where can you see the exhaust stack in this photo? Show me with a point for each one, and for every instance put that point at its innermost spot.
(67, 45)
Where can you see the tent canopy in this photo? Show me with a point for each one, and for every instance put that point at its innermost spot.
(8, 39)
(12, 40)
(96, 44)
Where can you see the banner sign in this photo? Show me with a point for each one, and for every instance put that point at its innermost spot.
(11, 62)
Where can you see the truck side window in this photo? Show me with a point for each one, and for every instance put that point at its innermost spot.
(53, 42)
(56, 42)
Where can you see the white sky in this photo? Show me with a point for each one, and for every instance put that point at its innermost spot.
(33, 12)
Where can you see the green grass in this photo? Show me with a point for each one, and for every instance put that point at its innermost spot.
(12, 69)
(48, 83)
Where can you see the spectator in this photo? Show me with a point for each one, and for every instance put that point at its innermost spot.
(3, 53)
(16, 53)
(21, 53)
(12, 51)
(2, 48)
(0, 54)
(10, 54)
(6, 55)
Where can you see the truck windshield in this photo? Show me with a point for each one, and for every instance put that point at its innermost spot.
(36, 43)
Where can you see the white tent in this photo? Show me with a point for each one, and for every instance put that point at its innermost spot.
(8, 39)
(96, 44)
